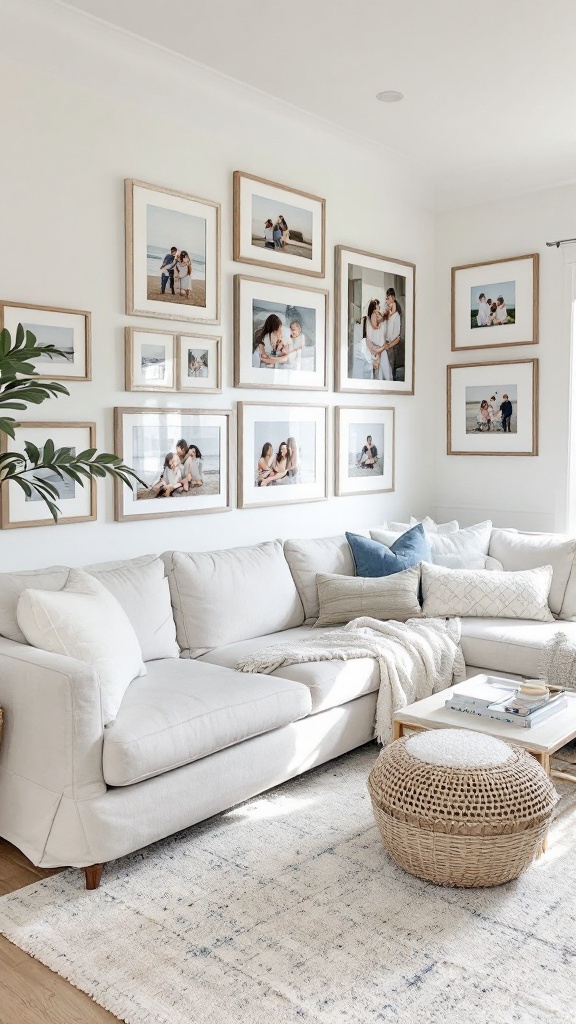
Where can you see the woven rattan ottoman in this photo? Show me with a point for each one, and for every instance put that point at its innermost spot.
(460, 808)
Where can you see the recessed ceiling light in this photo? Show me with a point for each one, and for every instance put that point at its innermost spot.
(390, 96)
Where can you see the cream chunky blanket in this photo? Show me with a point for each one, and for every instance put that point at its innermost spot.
(416, 658)
(558, 662)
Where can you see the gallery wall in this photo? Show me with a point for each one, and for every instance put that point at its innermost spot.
(83, 108)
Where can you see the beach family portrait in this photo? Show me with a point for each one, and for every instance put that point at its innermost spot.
(281, 227)
(492, 409)
(493, 305)
(176, 256)
(365, 450)
(284, 453)
(376, 325)
(174, 466)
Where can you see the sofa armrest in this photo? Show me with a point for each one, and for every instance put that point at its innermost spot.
(53, 730)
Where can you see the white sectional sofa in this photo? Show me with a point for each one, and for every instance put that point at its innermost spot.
(194, 736)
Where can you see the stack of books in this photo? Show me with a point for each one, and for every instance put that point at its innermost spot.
(503, 701)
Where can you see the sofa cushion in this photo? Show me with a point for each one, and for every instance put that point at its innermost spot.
(459, 549)
(306, 558)
(220, 597)
(343, 598)
(528, 550)
(331, 683)
(375, 558)
(510, 645)
(184, 710)
(481, 592)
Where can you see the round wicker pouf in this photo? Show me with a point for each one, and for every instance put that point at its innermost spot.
(460, 808)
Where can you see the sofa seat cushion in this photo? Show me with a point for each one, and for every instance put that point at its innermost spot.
(184, 710)
(510, 645)
(330, 683)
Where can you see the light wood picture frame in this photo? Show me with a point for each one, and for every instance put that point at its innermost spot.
(144, 438)
(364, 450)
(495, 304)
(374, 323)
(77, 504)
(281, 454)
(280, 335)
(172, 254)
(492, 408)
(278, 227)
(199, 363)
(150, 359)
(67, 329)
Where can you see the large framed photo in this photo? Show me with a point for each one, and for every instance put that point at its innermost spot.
(67, 329)
(374, 323)
(281, 454)
(280, 335)
(181, 455)
(364, 450)
(495, 304)
(77, 503)
(199, 362)
(150, 360)
(172, 254)
(276, 226)
(493, 408)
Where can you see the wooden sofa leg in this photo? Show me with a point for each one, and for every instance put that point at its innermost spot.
(93, 875)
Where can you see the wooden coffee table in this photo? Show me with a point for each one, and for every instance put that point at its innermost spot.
(540, 740)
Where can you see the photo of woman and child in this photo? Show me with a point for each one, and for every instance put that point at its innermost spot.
(280, 466)
(376, 342)
(182, 471)
(289, 232)
(283, 337)
(496, 413)
(380, 333)
(197, 362)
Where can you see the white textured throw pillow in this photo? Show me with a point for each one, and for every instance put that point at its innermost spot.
(84, 621)
(485, 593)
(431, 527)
(343, 598)
(462, 549)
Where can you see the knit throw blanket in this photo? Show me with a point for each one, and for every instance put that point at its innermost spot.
(558, 662)
(415, 658)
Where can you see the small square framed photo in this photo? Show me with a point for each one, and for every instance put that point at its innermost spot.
(495, 304)
(493, 408)
(364, 450)
(280, 227)
(281, 454)
(199, 362)
(374, 334)
(150, 360)
(77, 504)
(172, 254)
(67, 329)
(280, 333)
(183, 457)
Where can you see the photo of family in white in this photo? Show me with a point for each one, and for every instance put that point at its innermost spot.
(492, 410)
(365, 450)
(197, 362)
(284, 454)
(283, 337)
(286, 230)
(493, 305)
(175, 273)
(187, 469)
(376, 349)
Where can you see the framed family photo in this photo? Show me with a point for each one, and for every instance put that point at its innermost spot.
(374, 334)
(276, 226)
(172, 254)
(280, 333)
(495, 304)
(150, 360)
(364, 450)
(67, 329)
(281, 454)
(199, 363)
(77, 503)
(493, 408)
(181, 455)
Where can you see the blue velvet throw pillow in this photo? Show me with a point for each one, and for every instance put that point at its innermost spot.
(374, 559)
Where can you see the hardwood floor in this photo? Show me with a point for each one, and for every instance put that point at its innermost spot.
(29, 992)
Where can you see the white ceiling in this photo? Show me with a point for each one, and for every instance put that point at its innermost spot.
(490, 88)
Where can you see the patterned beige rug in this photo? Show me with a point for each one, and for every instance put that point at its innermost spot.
(287, 911)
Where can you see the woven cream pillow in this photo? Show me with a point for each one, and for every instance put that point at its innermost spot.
(487, 593)
(343, 598)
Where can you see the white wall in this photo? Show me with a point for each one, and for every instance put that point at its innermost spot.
(526, 492)
(81, 109)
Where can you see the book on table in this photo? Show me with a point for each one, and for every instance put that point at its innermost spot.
(507, 704)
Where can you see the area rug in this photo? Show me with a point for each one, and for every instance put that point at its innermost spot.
(287, 910)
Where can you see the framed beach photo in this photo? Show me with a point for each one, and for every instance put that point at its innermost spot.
(493, 408)
(183, 457)
(364, 450)
(374, 335)
(172, 254)
(150, 360)
(276, 226)
(67, 329)
(495, 304)
(281, 454)
(77, 504)
(199, 363)
(280, 333)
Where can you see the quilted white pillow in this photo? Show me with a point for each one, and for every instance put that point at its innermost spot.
(463, 549)
(431, 527)
(487, 594)
(84, 621)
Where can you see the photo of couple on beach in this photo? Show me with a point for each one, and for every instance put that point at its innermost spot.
(287, 230)
(376, 337)
(365, 450)
(492, 410)
(283, 336)
(176, 467)
(175, 256)
(493, 305)
(284, 453)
